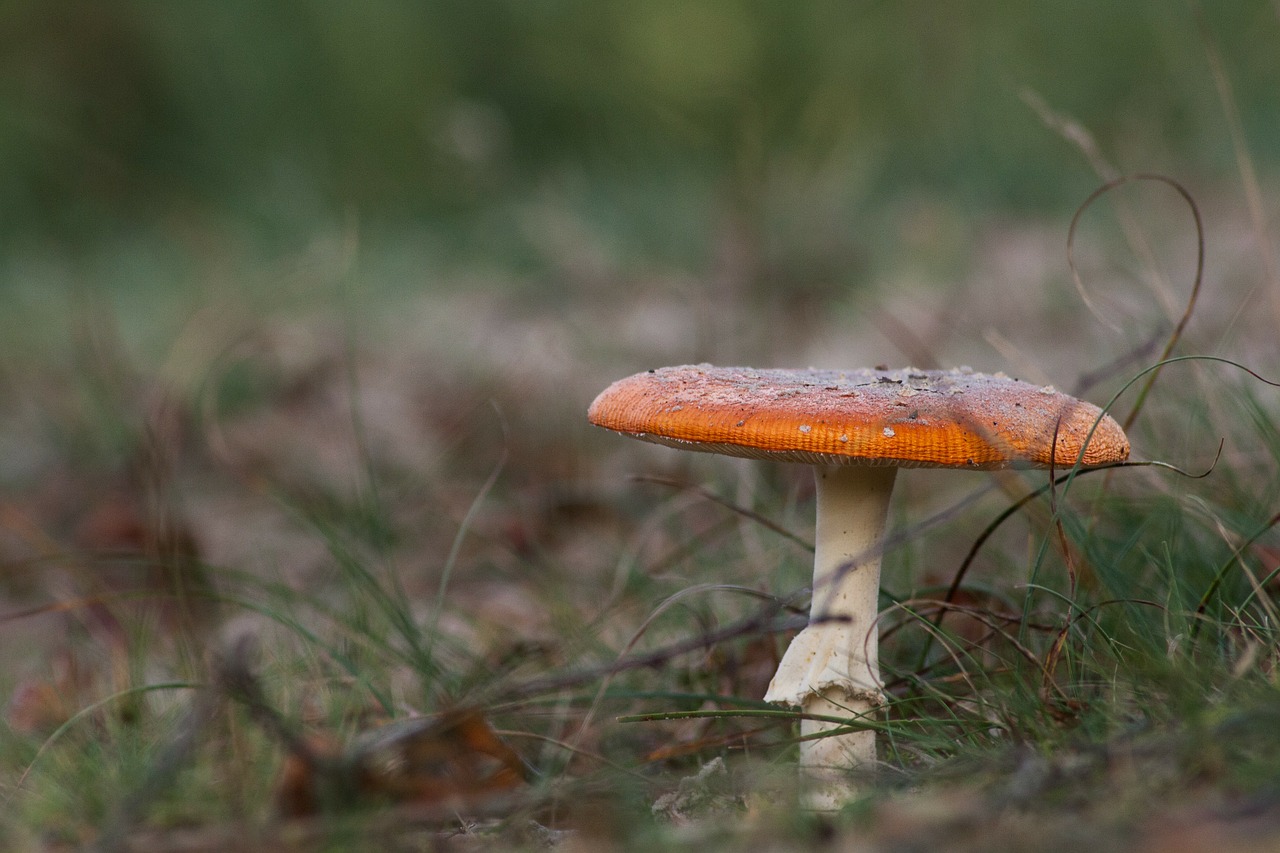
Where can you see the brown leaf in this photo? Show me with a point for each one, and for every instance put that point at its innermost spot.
(36, 707)
(297, 790)
(455, 757)
(41, 705)
(137, 548)
(432, 759)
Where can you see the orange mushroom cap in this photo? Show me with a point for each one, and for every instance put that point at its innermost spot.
(910, 418)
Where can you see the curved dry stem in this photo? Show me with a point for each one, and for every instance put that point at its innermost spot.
(1176, 335)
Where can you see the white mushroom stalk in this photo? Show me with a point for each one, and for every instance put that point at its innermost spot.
(832, 667)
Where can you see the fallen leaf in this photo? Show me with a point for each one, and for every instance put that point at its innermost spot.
(455, 757)
(432, 759)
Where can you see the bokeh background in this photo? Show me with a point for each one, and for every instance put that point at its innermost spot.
(181, 132)
(300, 300)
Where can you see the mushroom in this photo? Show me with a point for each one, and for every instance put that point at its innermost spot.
(856, 428)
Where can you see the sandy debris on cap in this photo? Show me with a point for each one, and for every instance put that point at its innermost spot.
(952, 418)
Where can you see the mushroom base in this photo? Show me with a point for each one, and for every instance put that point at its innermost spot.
(829, 763)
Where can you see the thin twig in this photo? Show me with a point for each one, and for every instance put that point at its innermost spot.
(765, 622)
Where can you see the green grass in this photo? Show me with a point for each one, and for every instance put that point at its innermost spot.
(364, 445)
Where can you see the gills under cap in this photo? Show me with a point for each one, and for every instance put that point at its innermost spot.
(910, 418)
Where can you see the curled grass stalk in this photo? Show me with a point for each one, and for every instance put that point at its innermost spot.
(1067, 479)
(1198, 280)
(1011, 510)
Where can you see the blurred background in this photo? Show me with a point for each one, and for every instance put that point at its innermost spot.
(149, 135)
(302, 304)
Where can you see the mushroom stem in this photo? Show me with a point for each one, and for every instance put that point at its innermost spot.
(832, 667)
